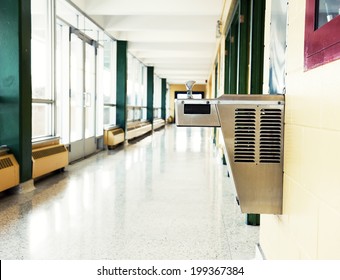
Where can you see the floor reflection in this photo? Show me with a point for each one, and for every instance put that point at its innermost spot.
(166, 196)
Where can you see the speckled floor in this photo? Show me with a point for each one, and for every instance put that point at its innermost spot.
(166, 196)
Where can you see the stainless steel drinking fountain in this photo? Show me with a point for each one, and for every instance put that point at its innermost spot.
(252, 128)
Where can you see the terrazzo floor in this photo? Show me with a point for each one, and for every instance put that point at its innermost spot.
(166, 196)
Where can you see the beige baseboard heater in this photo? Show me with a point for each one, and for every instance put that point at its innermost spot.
(48, 156)
(9, 170)
(158, 123)
(252, 128)
(113, 136)
(137, 129)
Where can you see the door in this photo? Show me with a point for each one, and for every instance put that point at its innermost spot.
(82, 96)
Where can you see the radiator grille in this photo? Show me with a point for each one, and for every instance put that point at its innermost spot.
(257, 135)
(117, 131)
(5, 163)
(48, 152)
(270, 135)
(244, 143)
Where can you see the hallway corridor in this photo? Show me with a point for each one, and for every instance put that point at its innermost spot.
(166, 196)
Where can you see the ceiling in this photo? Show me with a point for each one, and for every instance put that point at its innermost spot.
(176, 37)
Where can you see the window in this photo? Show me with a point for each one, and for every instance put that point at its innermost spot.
(184, 95)
(322, 32)
(41, 116)
(86, 63)
(108, 82)
(136, 90)
(41, 44)
(157, 97)
(327, 10)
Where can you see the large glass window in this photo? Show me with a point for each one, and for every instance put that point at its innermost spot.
(108, 81)
(42, 82)
(136, 90)
(89, 62)
(157, 97)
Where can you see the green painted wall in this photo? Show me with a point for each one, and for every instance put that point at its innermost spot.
(15, 82)
(227, 65)
(249, 15)
(163, 116)
(258, 21)
(150, 92)
(121, 83)
(244, 29)
(234, 43)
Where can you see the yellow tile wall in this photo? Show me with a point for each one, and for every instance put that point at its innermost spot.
(329, 229)
(310, 225)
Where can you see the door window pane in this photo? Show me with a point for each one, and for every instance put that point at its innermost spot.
(77, 92)
(62, 82)
(99, 89)
(327, 10)
(90, 78)
(322, 36)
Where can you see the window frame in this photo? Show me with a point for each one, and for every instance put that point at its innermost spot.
(322, 45)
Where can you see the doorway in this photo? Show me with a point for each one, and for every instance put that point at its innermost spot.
(82, 117)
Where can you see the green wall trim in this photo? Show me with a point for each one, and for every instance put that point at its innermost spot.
(227, 65)
(244, 29)
(258, 21)
(163, 114)
(121, 83)
(234, 32)
(253, 219)
(150, 92)
(244, 47)
(15, 82)
(215, 95)
(25, 91)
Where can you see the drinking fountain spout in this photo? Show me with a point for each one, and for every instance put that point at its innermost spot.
(189, 85)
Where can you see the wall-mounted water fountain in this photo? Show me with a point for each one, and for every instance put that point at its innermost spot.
(252, 128)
